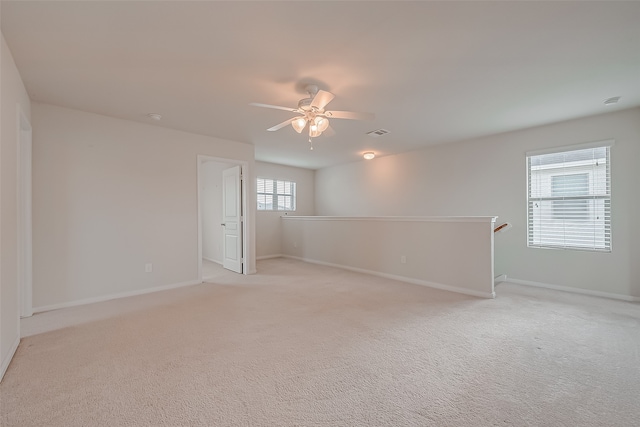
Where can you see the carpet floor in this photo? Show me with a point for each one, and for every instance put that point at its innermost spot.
(306, 345)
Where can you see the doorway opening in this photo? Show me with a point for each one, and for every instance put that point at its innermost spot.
(222, 224)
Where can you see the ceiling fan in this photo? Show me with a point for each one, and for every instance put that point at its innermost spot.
(311, 114)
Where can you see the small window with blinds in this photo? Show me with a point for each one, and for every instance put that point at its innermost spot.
(569, 198)
(275, 195)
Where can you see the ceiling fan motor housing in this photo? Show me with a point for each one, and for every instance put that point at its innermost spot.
(305, 104)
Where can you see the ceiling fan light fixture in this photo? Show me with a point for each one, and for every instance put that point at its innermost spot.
(299, 124)
(322, 123)
(314, 132)
(369, 155)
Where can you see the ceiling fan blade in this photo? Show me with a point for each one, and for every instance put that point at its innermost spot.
(276, 107)
(329, 132)
(280, 126)
(321, 99)
(349, 115)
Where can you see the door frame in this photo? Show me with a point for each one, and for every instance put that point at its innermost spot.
(246, 218)
(25, 223)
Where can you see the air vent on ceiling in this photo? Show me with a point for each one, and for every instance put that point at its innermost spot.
(612, 101)
(377, 133)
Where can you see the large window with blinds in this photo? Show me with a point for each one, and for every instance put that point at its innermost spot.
(569, 198)
(276, 195)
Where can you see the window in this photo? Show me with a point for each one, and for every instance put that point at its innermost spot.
(274, 195)
(569, 198)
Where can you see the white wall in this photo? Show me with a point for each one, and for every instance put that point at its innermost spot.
(211, 205)
(268, 226)
(13, 93)
(487, 176)
(109, 196)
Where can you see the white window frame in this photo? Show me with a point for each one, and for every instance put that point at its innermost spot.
(289, 189)
(589, 231)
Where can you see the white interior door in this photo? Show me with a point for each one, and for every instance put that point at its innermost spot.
(232, 218)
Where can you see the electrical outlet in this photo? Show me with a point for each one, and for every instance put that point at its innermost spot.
(403, 259)
(148, 268)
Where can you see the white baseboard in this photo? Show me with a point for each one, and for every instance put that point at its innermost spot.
(5, 363)
(114, 296)
(575, 290)
(499, 279)
(269, 256)
(212, 260)
(400, 278)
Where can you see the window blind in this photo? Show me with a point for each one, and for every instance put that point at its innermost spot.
(569, 199)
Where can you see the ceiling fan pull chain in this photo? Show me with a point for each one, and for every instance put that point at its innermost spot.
(310, 144)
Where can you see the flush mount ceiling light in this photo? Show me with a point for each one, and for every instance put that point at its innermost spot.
(154, 116)
(369, 155)
(312, 115)
(612, 101)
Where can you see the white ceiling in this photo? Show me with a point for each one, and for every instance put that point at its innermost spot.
(431, 72)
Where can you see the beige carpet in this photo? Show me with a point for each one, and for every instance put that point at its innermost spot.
(305, 345)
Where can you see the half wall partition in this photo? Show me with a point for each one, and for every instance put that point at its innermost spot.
(449, 253)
